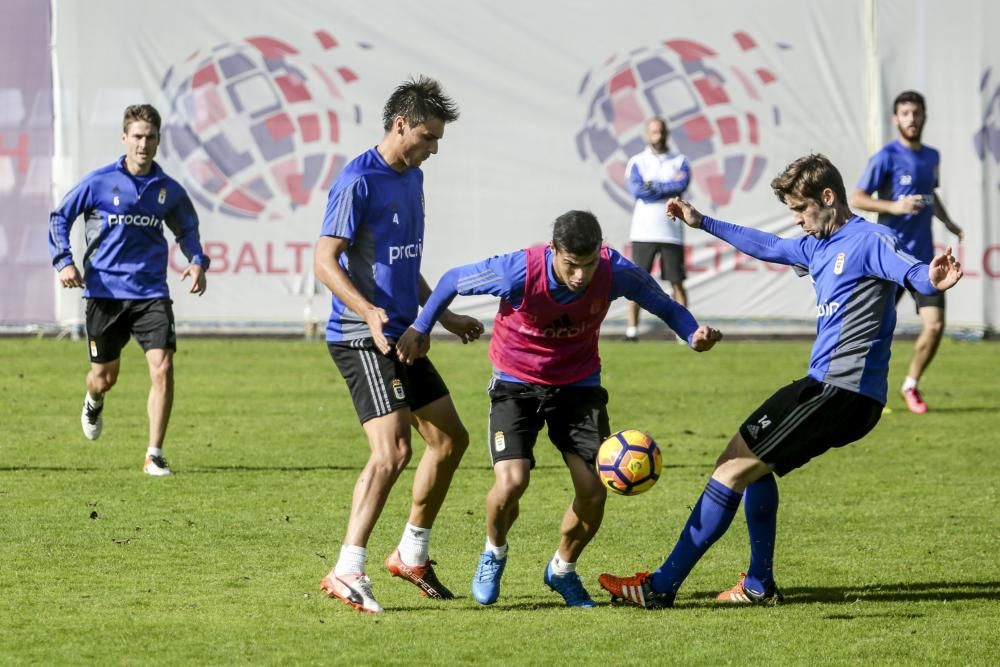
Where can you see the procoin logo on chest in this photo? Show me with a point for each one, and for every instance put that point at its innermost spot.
(408, 251)
(136, 220)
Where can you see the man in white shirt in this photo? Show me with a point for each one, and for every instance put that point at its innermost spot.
(654, 176)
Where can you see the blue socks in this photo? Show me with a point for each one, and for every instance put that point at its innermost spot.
(760, 502)
(709, 520)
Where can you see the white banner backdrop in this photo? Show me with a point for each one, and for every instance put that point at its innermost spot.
(263, 104)
(949, 52)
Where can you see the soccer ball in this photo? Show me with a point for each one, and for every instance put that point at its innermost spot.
(629, 462)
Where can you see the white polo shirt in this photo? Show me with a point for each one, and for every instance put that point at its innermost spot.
(650, 222)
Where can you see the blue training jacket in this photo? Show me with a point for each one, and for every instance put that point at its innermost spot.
(126, 254)
(855, 272)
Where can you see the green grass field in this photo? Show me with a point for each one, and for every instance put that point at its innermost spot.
(888, 550)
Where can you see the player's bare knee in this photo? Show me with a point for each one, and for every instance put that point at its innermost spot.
(510, 485)
(735, 449)
(591, 503)
(102, 378)
(400, 458)
(103, 382)
(391, 463)
(456, 443)
(161, 372)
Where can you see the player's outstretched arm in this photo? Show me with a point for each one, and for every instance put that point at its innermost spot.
(944, 271)
(754, 242)
(682, 209)
(704, 338)
(465, 327)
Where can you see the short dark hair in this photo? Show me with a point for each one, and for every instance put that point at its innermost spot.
(416, 101)
(909, 97)
(807, 177)
(577, 232)
(146, 112)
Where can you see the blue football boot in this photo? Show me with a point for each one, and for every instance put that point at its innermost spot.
(486, 581)
(569, 586)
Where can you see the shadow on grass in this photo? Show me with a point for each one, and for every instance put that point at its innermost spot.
(927, 591)
(901, 592)
(504, 604)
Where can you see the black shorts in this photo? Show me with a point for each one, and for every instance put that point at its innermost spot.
(380, 383)
(921, 300)
(577, 418)
(111, 321)
(671, 259)
(806, 418)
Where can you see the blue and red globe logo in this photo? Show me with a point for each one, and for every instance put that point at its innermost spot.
(987, 138)
(257, 126)
(717, 112)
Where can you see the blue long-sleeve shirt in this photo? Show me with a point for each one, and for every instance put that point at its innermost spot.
(855, 272)
(126, 254)
(504, 276)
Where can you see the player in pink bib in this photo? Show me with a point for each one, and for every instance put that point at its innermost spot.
(547, 372)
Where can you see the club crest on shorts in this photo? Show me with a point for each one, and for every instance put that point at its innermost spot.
(93, 348)
(162, 198)
(499, 442)
(397, 389)
(838, 265)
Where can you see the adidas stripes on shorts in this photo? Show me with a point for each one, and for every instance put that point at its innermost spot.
(380, 383)
(805, 419)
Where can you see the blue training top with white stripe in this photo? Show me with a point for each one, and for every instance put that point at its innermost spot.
(896, 171)
(381, 212)
(855, 272)
(126, 255)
